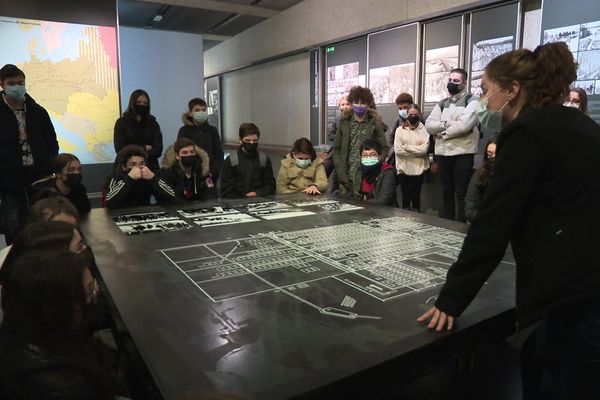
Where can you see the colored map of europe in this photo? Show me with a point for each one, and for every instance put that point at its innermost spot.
(71, 70)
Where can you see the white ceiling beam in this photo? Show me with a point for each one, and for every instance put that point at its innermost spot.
(217, 38)
(214, 5)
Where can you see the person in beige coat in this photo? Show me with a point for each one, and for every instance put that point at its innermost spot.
(410, 145)
(302, 170)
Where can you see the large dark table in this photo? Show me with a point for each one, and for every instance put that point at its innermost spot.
(278, 314)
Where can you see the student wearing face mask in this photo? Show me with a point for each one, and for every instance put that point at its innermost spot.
(377, 178)
(247, 172)
(453, 123)
(197, 128)
(67, 182)
(27, 145)
(548, 211)
(132, 183)
(362, 122)
(577, 99)
(137, 126)
(185, 169)
(410, 145)
(302, 170)
(480, 181)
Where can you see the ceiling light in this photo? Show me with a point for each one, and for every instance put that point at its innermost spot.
(157, 18)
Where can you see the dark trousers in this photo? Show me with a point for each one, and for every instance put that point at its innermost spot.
(455, 173)
(411, 191)
(14, 208)
(561, 358)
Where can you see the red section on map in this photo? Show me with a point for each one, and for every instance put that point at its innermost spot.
(109, 42)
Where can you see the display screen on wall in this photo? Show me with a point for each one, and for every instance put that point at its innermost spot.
(340, 79)
(492, 33)
(442, 46)
(72, 71)
(584, 42)
(392, 60)
(346, 66)
(577, 23)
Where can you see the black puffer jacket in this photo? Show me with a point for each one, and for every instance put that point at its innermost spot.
(248, 176)
(147, 132)
(36, 373)
(207, 138)
(41, 137)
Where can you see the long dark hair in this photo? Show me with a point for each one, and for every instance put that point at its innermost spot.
(47, 208)
(47, 235)
(132, 100)
(43, 303)
(485, 171)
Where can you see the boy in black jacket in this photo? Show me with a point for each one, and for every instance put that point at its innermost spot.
(27, 145)
(186, 169)
(247, 172)
(204, 135)
(132, 182)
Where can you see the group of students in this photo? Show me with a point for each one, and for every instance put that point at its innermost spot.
(546, 210)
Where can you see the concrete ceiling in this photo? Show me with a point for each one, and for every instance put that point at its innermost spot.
(217, 20)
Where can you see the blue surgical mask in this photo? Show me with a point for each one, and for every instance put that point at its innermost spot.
(303, 163)
(200, 116)
(490, 120)
(403, 114)
(15, 92)
(369, 161)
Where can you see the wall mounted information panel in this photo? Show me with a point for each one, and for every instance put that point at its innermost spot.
(346, 66)
(442, 47)
(72, 71)
(577, 23)
(493, 32)
(212, 96)
(392, 67)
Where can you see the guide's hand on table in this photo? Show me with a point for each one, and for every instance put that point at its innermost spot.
(135, 173)
(147, 173)
(251, 194)
(311, 190)
(438, 321)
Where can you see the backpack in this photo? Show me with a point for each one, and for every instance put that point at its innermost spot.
(262, 159)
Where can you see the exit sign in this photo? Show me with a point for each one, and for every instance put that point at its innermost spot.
(330, 49)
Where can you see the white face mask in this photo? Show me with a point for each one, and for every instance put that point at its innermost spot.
(571, 105)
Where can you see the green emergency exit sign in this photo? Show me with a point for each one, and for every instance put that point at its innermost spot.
(330, 49)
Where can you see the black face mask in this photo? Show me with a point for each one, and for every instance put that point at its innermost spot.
(413, 119)
(190, 161)
(141, 109)
(73, 180)
(250, 147)
(453, 88)
(371, 172)
(491, 162)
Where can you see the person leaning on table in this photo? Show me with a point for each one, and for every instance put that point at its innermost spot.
(548, 211)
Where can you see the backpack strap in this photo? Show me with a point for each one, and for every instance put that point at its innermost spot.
(235, 161)
(262, 158)
(233, 157)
